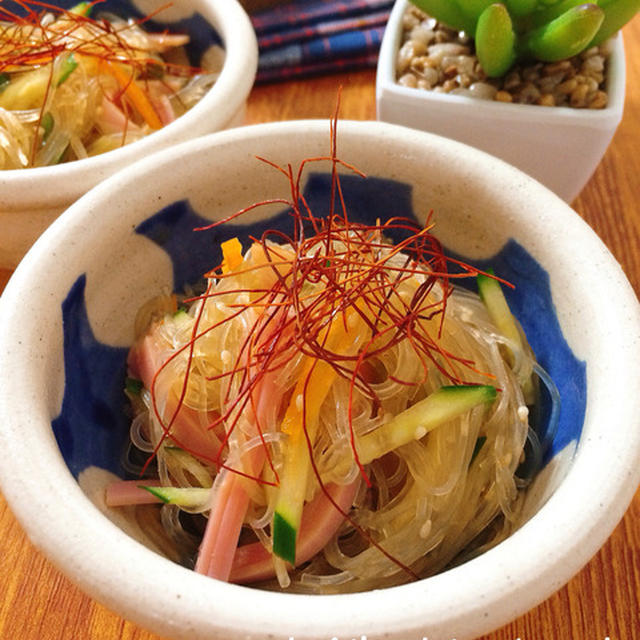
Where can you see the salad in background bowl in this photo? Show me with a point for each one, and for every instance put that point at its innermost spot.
(87, 88)
(66, 425)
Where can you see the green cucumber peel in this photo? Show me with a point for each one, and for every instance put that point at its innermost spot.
(133, 385)
(82, 9)
(284, 538)
(5, 79)
(436, 409)
(67, 67)
(180, 496)
(477, 448)
(494, 300)
(47, 123)
(492, 295)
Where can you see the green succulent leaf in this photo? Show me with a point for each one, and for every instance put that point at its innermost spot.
(519, 8)
(495, 40)
(547, 12)
(565, 36)
(616, 14)
(475, 8)
(448, 12)
(547, 30)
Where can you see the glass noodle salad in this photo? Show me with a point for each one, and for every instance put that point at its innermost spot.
(72, 86)
(332, 413)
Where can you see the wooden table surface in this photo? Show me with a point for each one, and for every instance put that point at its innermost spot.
(603, 601)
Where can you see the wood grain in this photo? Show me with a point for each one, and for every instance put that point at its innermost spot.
(602, 601)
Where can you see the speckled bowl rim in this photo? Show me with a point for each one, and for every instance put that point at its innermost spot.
(463, 602)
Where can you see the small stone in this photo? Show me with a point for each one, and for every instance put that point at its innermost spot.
(463, 80)
(503, 96)
(599, 101)
(590, 52)
(409, 20)
(430, 76)
(408, 51)
(450, 71)
(556, 67)
(532, 73)
(440, 50)
(579, 95)
(482, 90)
(408, 80)
(528, 94)
(593, 64)
(512, 80)
(567, 86)
(429, 23)
(548, 83)
(422, 35)
(448, 85)
(546, 100)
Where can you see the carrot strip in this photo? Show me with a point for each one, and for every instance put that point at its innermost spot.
(135, 93)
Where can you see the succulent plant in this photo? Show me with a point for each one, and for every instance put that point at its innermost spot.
(548, 30)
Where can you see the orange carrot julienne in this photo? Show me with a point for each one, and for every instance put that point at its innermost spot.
(135, 93)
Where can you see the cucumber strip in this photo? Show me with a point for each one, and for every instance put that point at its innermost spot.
(68, 66)
(82, 9)
(5, 79)
(476, 449)
(133, 386)
(181, 496)
(497, 306)
(47, 123)
(413, 423)
(284, 537)
(345, 336)
(295, 472)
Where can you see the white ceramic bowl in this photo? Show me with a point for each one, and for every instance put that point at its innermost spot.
(31, 199)
(559, 146)
(68, 315)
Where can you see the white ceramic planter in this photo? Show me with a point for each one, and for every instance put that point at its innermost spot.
(64, 342)
(31, 199)
(559, 146)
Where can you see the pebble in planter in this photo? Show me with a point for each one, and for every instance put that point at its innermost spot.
(436, 57)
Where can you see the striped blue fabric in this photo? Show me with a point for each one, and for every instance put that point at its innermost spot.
(309, 37)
